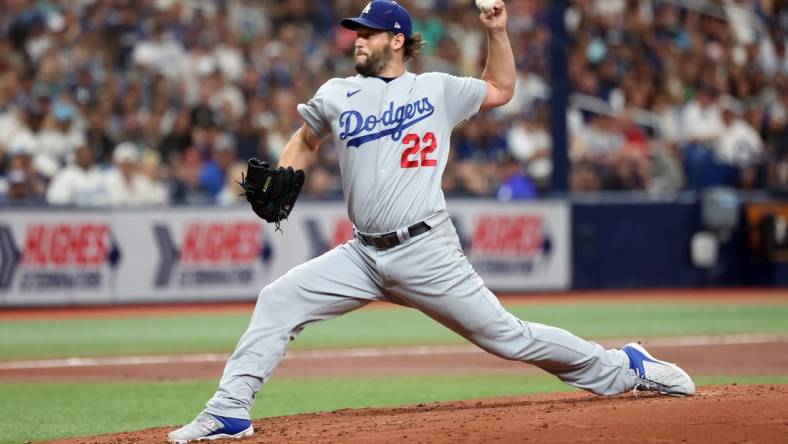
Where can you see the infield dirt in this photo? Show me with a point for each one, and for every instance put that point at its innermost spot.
(717, 414)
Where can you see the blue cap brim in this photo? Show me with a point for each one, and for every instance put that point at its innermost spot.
(357, 22)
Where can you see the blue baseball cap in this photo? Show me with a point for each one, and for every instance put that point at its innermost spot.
(62, 111)
(384, 15)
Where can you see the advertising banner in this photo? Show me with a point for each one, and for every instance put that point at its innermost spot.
(66, 257)
(57, 258)
(515, 246)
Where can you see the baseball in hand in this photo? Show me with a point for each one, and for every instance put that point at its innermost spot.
(485, 5)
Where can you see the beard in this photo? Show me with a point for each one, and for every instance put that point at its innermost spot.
(375, 62)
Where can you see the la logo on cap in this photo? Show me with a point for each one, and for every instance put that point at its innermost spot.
(367, 8)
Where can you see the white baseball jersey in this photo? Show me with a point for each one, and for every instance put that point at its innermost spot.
(392, 140)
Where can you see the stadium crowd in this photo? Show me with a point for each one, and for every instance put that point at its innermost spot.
(120, 102)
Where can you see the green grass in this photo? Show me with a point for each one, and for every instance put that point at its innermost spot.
(220, 332)
(74, 409)
(81, 409)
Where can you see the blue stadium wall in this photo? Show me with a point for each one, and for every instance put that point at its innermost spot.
(627, 243)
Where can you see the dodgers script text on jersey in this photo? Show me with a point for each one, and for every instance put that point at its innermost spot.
(394, 120)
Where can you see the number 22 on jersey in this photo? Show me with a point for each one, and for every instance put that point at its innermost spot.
(417, 150)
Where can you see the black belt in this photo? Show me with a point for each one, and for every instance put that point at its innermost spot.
(390, 240)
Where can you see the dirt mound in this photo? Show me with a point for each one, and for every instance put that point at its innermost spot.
(717, 414)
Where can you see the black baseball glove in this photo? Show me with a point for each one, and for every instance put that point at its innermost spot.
(271, 191)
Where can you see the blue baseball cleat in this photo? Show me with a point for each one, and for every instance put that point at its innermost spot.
(208, 427)
(657, 376)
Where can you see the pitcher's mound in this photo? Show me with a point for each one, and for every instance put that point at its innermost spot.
(716, 414)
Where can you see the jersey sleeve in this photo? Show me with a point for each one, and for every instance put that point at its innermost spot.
(463, 96)
(313, 112)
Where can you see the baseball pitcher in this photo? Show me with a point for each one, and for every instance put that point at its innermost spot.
(391, 129)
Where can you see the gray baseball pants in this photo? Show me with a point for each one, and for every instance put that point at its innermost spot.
(429, 273)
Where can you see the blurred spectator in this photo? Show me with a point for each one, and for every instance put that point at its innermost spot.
(22, 184)
(475, 178)
(249, 140)
(159, 52)
(739, 145)
(60, 136)
(232, 192)
(701, 118)
(481, 139)
(178, 139)
(444, 60)
(530, 143)
(584, 177)
(668, 118)
(30, 185)
(778, 147)
(18, 189)
(667, 169)
(96, 135)
(599, 146)
(454, 184)
(20, 123)
(430, 26)
(514, 184)
(320, 184)
(186, 187)
(81, 183)
(126, 185)
(469, 141)
(214, 172)
(154, 174)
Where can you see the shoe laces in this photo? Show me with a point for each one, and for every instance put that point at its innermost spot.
(648, 386)
(207, 423)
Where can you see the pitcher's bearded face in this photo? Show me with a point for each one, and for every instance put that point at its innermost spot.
(373, 51)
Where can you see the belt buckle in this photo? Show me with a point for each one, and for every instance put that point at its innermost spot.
(372, 241)
(391, 240)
